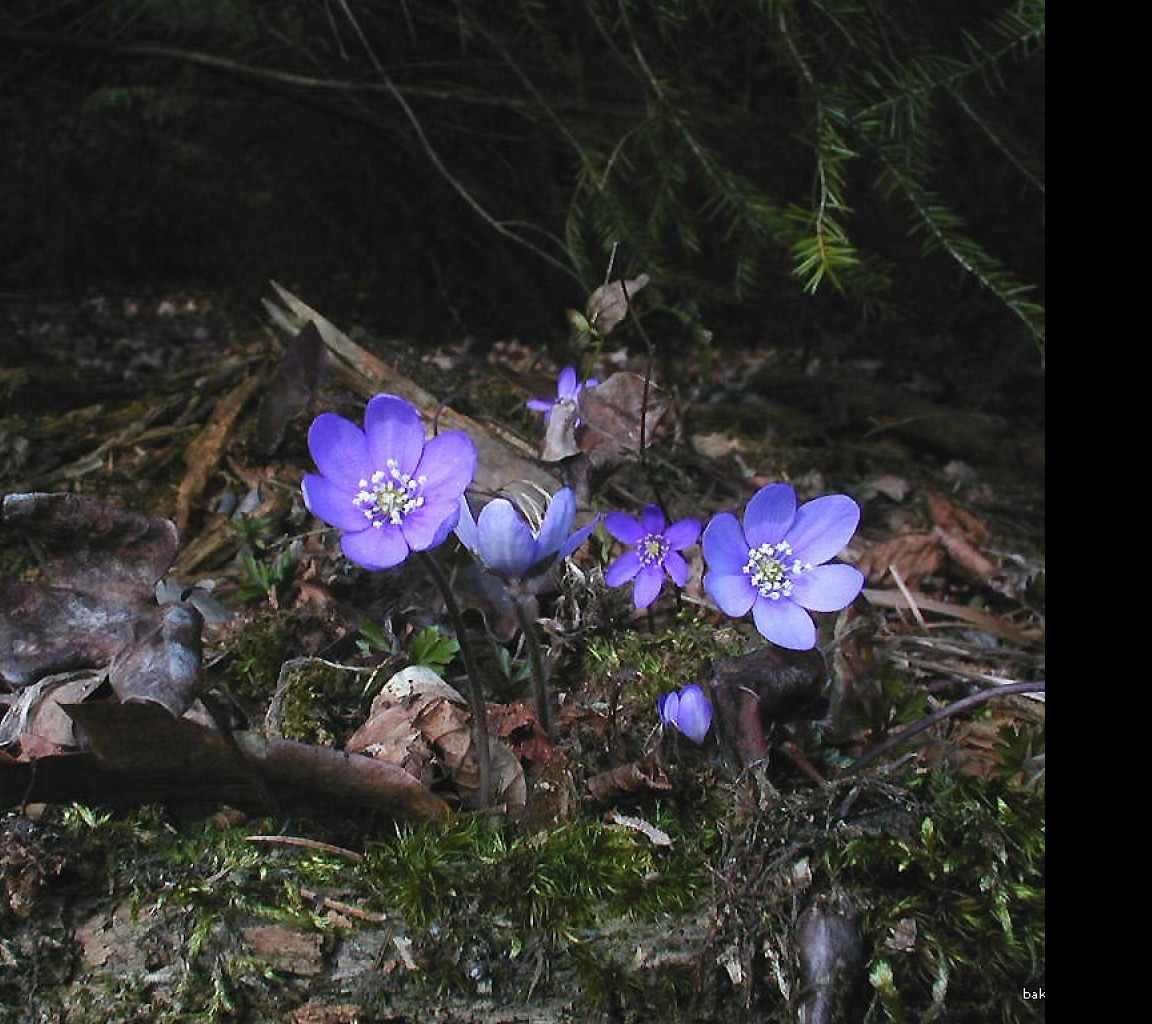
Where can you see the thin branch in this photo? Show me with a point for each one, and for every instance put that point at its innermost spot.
(250, 72)
(501, 228)
(902, 737)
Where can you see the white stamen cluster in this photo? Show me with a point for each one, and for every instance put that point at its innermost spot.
(389, 495)
(652, 549)
(771, 571)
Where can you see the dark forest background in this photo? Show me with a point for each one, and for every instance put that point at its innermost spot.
(786, 172)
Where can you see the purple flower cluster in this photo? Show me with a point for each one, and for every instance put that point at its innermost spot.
(391, 492)
(772, 564)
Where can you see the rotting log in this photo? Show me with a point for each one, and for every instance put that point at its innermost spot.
(504, 461)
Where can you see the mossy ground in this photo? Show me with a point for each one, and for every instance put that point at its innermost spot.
(152, 916)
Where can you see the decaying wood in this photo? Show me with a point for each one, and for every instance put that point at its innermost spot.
(504, 462)
(207, 449)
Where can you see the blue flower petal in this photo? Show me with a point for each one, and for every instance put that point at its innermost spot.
(676, 567)
(446, 528)
(827, 588)
(668, 705)
(725, 547)
(328, 502)
(770, 512)
(623, 569)
(339, 450)
(649, 583)
(557, 523)
(466, 528)
(733, 593)
(449, 463)
(823, 527)
(375, 548)
(394, 431)
(505, 542)
(683, 534)
(578, 538)
(694, 715)
(423, 528)
(567, 384)
(784, 623)
(623, 528)
(652, 519)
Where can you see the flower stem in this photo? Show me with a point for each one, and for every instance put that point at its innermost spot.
(475, 693)
(539, 681)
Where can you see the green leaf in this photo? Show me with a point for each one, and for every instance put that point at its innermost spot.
(432, 648)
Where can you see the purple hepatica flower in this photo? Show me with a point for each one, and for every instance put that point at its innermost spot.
(388, 490)
(773, 564)
(655, 550)
(503, 542)
(687, 710)
(568, 388)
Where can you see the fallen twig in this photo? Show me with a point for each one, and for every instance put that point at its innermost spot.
(939, 716)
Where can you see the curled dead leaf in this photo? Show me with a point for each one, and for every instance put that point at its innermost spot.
(422, 724)
(36, 725)
(608, 305)
(560, 434)
(97, 608)
(628, 779)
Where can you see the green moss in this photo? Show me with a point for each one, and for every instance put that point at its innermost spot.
(554, 882)
(537, 890)
(644, 665)
(257, 652)
(964, 875)
(316, 702)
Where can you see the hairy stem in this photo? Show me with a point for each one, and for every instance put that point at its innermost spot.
(539, 681)
(475, 692)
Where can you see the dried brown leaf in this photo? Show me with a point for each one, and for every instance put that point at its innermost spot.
(914, 556)
(46, 629)
(98, 608)
(612, 411)
(297, 377)
(560, 434)
(628, 779)
(421, 723)
(967, 557)
(516, 725)
(608, 305)
(955, 519)
(91, 547)
(35, 725)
